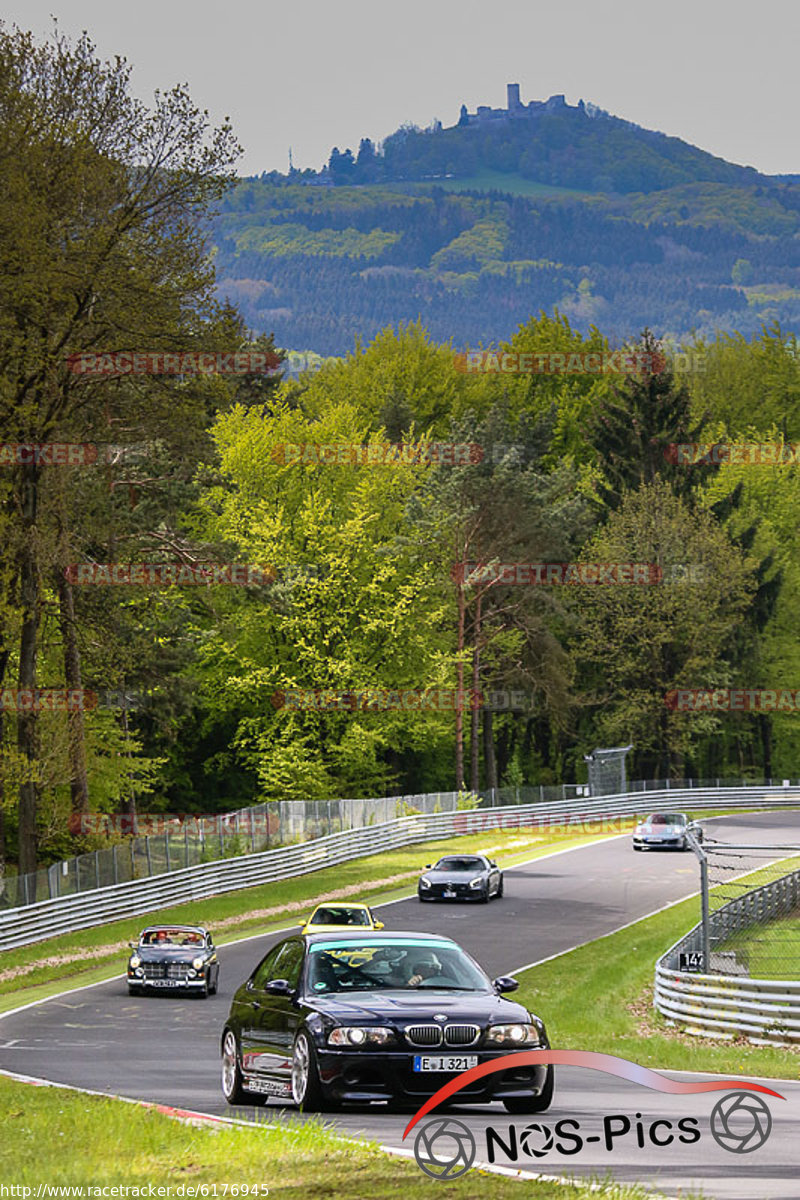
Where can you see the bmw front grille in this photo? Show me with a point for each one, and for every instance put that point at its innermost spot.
(434, 1035)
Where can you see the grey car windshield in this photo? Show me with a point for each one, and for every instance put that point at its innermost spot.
(460, 864)
(667, 819)
(339, 966)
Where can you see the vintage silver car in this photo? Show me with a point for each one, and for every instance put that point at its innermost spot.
(665, 831)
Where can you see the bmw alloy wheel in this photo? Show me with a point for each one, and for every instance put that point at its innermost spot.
(301, 1066)
(231, 1078)
(306, 1088)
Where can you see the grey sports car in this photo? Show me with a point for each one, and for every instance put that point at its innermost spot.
(665, 831)
(461, 877)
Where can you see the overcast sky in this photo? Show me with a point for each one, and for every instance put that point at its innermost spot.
(312, 74)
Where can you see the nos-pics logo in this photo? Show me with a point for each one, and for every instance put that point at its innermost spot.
(445, 1148)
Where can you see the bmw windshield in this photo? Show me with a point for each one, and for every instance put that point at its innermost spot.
(340, 966)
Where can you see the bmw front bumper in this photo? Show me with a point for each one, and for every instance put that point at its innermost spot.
(358, 1077)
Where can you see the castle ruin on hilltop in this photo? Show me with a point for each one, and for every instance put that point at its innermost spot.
(515, 108)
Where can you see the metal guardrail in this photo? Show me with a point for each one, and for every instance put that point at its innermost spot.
(66, 914)
(764, 1010)
(167, 843)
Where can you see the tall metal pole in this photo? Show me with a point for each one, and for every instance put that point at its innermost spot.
(700, 855)
(704, 914)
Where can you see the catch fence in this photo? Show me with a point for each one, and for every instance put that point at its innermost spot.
(738, 971)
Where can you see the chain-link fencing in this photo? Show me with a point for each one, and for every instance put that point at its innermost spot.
(754, 910)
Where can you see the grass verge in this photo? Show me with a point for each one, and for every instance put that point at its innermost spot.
(770, 951)
(62, 1138)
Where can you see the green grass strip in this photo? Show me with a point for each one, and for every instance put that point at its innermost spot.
(57, 1137)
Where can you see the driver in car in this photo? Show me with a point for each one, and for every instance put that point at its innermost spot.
(426, 968)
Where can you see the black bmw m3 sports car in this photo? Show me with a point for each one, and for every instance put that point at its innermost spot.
(326, 1019)
(173, 958)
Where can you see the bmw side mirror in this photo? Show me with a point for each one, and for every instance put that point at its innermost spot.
(505, 983)
(279, 987)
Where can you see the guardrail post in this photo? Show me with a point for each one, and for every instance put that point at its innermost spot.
(114, 862)
(97, 867)
(147, 852)
(185, 847)
(166, 850)
(133, 858)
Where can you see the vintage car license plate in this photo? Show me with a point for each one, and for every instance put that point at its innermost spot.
(166, 982)
(444, 1062)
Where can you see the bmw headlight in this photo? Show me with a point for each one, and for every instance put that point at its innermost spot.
(512, 1035)
(424, 882)
(134, 963)
(198, 963)
(476, 883)
(360, 1035)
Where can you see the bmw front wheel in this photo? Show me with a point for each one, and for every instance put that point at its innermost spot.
(306, 1087)
(232, 1088)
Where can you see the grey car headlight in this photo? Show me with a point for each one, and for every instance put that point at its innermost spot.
(424, 882)
(476, 883)
(513, 1035)
(360, 1035)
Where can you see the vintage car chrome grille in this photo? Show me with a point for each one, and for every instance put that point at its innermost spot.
(462, 1035)
(166, 970)
(424, 1035)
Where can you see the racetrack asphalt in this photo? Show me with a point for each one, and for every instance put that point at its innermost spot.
(166, 1048)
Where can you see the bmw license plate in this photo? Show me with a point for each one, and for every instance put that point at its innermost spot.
(444, 1062)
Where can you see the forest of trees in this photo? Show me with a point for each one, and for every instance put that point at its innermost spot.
(321, 267)
(107, 249)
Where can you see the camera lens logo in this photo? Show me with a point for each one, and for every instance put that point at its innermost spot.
(740, 1122)
(444, 1148)
(536, 1140)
